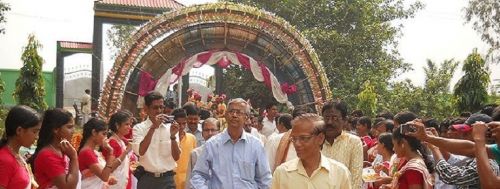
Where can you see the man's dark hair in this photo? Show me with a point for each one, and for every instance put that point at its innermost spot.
(179, 113)
(465, 114)
(297, 112)
(431, 123)
(495, 116)
(204, 114)
(357, 113)
(339, 105)
(406, 116)
(270, 105)
(169, 104)
(389, 125)
(87, 91)
(365, 121)
(191, 110)
(386, 115)
(488, 109)
(152, 96)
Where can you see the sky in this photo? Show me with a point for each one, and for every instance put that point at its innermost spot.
(438, 32)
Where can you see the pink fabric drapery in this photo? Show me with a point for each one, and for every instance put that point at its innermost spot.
(146, 83)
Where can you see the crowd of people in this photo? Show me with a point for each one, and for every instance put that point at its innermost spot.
(242, 148)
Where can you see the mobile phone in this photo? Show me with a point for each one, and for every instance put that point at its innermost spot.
(406, 128)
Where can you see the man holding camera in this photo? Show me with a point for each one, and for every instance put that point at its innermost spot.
(463, 174)
(157, 145)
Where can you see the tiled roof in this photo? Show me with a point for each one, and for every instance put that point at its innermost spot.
(75, 45)
(171, 4)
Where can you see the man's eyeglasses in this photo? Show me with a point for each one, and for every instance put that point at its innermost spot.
(301, 139)
(236, 111)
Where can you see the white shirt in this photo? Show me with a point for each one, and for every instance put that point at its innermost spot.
(268, 128)
(158, 157)
(271, 148)
(86, 104)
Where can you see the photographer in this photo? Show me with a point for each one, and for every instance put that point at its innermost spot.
(465, 175)
(482, 152)
(157, 145)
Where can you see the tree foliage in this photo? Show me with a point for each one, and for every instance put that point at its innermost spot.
(355, 40)
(485, 18)
(239, 82)
(4, 7)
(437, 100)
(30, 87)
(367, 99)
(471, 90)
(118, 36)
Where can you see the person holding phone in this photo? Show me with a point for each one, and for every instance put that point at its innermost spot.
(157, 145)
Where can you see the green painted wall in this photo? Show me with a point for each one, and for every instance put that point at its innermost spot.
(10, 76)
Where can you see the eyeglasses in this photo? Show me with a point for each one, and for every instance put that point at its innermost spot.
(211, 130)
(301, 139)
(236, 111)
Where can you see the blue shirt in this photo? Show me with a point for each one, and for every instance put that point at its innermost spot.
(242, 165)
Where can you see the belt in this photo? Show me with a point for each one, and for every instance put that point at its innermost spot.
(168, 173)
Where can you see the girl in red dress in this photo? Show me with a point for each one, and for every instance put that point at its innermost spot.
(22, 125)
(120, 125)
(55, 160)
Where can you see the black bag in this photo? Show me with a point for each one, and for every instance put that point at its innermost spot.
(139, 172)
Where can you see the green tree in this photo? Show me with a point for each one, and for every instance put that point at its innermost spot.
(30, 87)
(239, 82)
(485, 18)
(4, 7)
(118, 36)
(401, 96)
(471, 90)
(355, 40)
(367, 99)
(437, 99)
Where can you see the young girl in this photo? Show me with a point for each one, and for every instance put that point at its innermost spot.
(120, 125)
(415, 166)
(385, 152)
(96, 173)
(55, 159)
(21, 129)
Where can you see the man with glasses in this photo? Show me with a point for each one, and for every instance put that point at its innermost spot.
(339, 144)
(233, 159)
(157, 145)
(210, 127)
(311, 169)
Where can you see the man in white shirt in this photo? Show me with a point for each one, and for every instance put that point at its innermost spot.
(85, 103)
(268, 122)
(157, 145)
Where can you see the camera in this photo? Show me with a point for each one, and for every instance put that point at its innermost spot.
(406, 128)
(170, 119)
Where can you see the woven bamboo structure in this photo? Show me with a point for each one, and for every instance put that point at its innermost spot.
(175, 36)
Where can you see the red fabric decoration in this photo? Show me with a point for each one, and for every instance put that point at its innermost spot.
(265, 74)
(146, 83)
(244, 60)
(288, 89)
(223, 62)
(204, 57)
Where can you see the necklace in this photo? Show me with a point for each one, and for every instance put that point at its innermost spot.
(18, 157)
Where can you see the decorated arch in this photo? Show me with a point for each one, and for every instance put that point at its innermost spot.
(220, 33)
